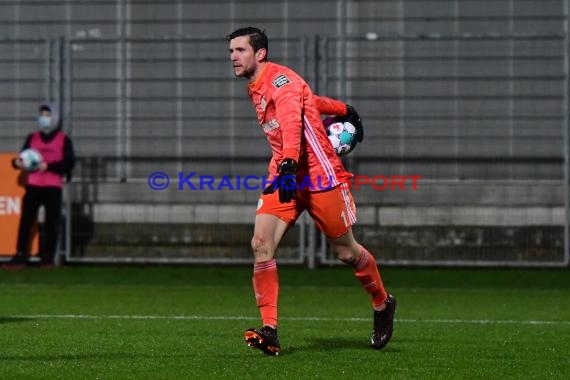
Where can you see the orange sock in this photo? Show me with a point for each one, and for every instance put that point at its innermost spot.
(266, 288)
(366, 271)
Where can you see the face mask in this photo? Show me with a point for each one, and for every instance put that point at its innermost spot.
(44, 122)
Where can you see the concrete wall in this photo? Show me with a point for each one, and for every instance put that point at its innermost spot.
(461, 92)
(441, 103)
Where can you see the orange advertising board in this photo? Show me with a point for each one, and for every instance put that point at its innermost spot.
(12, 189)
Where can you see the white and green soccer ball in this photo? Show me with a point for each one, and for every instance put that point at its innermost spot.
(342, 135)
(31, 159)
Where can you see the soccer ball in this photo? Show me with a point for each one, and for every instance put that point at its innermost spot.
(31, 159)
(341, 133)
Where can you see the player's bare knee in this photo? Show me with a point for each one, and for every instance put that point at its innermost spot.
(262, 248)
(344, 253)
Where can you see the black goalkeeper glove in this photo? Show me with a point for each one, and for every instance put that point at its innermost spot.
(353, 117)
(286, 181)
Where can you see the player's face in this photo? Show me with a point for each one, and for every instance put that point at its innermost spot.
(243, 58)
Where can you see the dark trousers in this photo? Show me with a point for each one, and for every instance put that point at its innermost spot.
(50, 198)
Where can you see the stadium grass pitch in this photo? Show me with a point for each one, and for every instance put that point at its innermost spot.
(161, 322)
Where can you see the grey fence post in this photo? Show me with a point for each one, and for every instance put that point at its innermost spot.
(48, 70)
(67, 121)
(566, 134)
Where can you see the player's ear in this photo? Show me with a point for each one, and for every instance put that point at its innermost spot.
(261, 54)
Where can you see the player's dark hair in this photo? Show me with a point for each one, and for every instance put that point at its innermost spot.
(257, 38)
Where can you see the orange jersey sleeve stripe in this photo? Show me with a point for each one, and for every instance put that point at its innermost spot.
(324, 161)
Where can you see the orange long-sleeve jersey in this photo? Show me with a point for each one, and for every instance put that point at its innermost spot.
(290, 115)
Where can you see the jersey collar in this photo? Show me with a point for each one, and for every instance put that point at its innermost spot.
(253, 86)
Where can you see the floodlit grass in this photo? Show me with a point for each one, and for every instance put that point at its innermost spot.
(162, 322)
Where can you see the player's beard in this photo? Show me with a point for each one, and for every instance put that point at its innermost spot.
(246, 71)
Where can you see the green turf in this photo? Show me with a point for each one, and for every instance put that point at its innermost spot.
(121, 323)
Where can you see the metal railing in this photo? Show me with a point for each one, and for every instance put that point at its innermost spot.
(483, 118)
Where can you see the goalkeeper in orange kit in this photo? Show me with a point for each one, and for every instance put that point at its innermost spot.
(289, 114)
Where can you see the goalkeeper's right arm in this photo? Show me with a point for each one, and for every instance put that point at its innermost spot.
(329, 106)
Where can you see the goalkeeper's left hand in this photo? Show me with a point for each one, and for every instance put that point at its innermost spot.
(355, 120)
(286, 181)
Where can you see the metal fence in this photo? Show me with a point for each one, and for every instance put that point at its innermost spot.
(169, 106)
(482, 118)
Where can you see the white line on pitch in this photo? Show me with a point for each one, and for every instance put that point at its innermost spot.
(315, 319)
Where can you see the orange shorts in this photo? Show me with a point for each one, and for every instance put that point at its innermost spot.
(333, 210)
